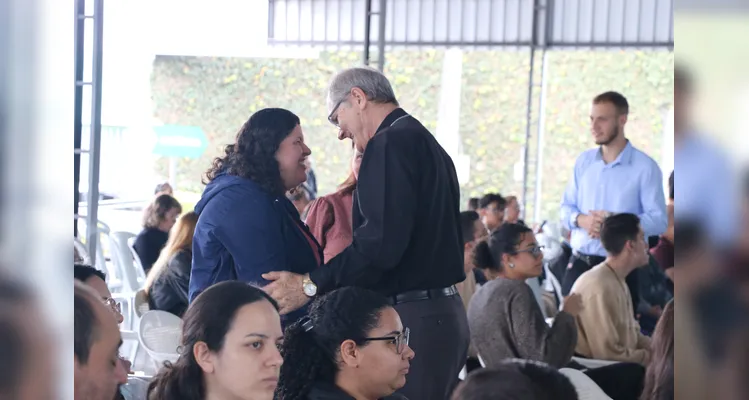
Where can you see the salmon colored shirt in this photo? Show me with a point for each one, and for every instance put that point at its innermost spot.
(329, 220)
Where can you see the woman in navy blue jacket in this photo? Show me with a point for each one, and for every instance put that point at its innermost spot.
(246, 225)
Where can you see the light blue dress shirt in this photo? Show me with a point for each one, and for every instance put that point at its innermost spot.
(707, 190)
(633, 183)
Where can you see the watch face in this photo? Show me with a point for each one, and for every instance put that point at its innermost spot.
(310, 289)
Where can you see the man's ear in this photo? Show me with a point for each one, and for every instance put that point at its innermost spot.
(203, 356)
(350, 355)
(359, 98)
(622, 119)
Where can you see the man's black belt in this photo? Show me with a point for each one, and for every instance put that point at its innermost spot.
(419, 295)
(591, 260)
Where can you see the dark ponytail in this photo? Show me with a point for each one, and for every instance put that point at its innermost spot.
(207, 320)
(311, 345)
(487, 255)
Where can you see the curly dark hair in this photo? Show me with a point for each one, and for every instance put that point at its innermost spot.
(207, 320)
(310, 355)
(156, 211)
(253, 154)
(488, 253)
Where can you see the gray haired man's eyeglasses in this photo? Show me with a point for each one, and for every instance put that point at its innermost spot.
(334, 119)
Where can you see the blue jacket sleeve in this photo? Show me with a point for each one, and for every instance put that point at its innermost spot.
(254, 238)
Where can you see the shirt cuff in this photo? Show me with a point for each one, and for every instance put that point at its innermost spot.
(321, 278)
(573, 220)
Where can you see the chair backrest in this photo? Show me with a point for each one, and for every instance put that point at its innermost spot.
(159, 332)
(554, 283)
(537, 292)
(136, 259)
(141, 303)
(124, 263)
(586, 388)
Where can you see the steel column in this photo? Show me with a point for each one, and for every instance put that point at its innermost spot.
(80, 10)
(92, 225)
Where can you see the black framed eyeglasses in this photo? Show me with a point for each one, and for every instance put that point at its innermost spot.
(400, 341)
(534, 251)
(334, 119)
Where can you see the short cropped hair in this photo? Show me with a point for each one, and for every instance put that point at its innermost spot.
(372, 82)
(490, 198)
(615, 98)
(83, 272)
(517, 379)
(617, 230)
(86, 324)
(467, 222)
(473, 204)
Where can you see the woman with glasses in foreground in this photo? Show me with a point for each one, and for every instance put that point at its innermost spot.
(351, 345)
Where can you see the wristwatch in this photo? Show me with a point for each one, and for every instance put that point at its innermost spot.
(309, 287)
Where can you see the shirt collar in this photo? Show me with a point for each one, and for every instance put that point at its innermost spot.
(395, 114)
(625, 157)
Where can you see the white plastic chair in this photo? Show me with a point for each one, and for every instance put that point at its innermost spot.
(132, 279)
(586, 388)
(159, 333)
(554, 284)
(141, 303)
(130, 342)
(136, 259)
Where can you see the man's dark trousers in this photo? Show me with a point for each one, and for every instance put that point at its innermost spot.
(439, 337)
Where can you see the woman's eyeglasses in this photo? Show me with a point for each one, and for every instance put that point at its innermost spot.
(113, 304)
(534, 251)
(400, 341)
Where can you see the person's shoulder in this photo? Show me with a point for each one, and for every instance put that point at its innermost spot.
(641, 158)
(591, 281)
(587, 157)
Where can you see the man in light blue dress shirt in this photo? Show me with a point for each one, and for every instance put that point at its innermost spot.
(612, 178)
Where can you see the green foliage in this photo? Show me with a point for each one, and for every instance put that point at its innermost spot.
(219, 94)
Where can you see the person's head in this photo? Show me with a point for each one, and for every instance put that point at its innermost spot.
(608, 116)
(27, 367)
(180, 238)
(473, 204)
(98, 370)
(353, 338)
(163, 188)
(269, 150)
(659, 377)
(516, 380)
(97, 281)
(350, 183)
(162, 213)
(228, 349)
(492, 210)
(473, 232)
(683, 91)
(510, 252)
(624, 240)
(359, 98)
(512, 210)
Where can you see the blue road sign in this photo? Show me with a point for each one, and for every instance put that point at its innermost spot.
(180, 141)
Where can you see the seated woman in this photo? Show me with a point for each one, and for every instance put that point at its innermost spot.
(168, 282)
(329, 217)
(351, 346)
(504, 317)
(247, 226)
(158, 219)
(228, 348)
(506, 321)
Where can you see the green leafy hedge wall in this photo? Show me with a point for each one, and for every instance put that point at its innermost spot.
(219, 94)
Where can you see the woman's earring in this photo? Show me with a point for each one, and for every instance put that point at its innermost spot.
(512, 265)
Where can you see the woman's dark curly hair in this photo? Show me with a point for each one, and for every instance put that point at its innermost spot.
(488, 253)
(207, 320)
(253, 154)
(155, 212)
(310, 355)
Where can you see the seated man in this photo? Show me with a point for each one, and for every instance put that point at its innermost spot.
(606, 327)
(97, 343)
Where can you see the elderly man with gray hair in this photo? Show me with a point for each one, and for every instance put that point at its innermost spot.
(407, 241)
